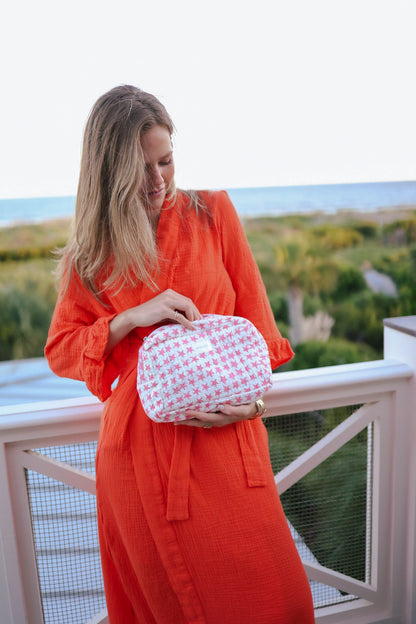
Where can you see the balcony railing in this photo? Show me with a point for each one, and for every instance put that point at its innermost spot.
(358, 425)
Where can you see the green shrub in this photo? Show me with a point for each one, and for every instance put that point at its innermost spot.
(407, 300)
(34, 237)
(350, 281)
(336, 536)
(360, 319)
(278, 303)
(312, 305)
(335, 237)
(366, 229)
(400, 232)
(24, 324)
(33, 276)
(269, 275)
(25, 253)
(316, 354)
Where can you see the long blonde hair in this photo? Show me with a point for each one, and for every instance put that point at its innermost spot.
(113, 238)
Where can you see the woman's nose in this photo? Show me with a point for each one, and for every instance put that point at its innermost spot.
(156, 176)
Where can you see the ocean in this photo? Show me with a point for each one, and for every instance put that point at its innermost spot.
(249, 202)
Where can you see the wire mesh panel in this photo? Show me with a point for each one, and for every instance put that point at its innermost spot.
(80, 455)
(328, 512)
(66, 541)
(329, 507)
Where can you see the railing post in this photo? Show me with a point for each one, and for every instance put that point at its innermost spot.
(12, 605)
(400, 344)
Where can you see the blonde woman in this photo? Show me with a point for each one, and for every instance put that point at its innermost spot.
(191, 526)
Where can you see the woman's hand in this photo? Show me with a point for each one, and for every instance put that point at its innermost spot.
(229, 414)
(168, 306)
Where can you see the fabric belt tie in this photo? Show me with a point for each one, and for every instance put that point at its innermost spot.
(177, 507)
(178, 485)
(253, 465)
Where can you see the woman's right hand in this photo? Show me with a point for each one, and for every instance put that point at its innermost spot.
(168, 306)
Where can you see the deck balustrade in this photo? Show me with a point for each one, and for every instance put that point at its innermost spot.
(355, 453)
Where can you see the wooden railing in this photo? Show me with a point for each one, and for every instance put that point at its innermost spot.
(47, 488)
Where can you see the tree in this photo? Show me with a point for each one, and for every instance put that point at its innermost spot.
(302, 267)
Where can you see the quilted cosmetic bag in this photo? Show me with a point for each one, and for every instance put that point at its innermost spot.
(223, 360)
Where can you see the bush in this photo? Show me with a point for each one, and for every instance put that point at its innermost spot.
(316, 353)
(350, 281)
(394, 262)
(334, 237)
(366, 229)
(24, 253)
(335, 532)
(278, 303)
(268, 274)
(337, 535)
(33, 240)
(400, 232)
(361, 318)
(312, 305)
(24, 324)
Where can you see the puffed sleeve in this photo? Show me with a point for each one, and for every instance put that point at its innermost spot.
(251, 297)
(78, 337)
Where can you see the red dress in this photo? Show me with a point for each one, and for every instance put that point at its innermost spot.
(191, 526)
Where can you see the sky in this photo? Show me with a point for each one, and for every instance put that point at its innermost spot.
(262, 92)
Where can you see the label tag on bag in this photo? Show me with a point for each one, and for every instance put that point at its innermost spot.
(202, 345)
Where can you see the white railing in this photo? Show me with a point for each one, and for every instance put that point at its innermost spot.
(385, 391)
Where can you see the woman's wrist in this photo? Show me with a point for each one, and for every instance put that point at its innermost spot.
(119, 327)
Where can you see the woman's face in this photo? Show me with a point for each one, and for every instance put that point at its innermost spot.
(159, 167)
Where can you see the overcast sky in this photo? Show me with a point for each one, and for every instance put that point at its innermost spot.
(262, 93)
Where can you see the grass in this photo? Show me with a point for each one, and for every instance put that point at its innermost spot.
(48, 234)
(371, 252)
(32, 276)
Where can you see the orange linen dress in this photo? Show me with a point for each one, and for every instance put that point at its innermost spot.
(191, 526)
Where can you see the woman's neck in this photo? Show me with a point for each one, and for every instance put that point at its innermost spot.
(154, 217)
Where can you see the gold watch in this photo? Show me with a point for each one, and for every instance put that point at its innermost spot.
(261, 409)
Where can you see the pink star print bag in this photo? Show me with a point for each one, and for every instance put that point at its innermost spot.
(224, 360)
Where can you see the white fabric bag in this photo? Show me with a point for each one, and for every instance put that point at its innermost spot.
(224, 360)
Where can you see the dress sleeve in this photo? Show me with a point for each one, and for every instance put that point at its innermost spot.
(251, 297)
(77, 340)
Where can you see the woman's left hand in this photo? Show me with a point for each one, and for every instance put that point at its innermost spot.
(229, 414)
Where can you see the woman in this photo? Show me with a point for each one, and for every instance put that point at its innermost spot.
(191, 526)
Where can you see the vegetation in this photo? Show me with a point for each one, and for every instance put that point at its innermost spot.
(327, 509)
(27, 286)
(316, 264)
(25, 242)
(311, 265)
